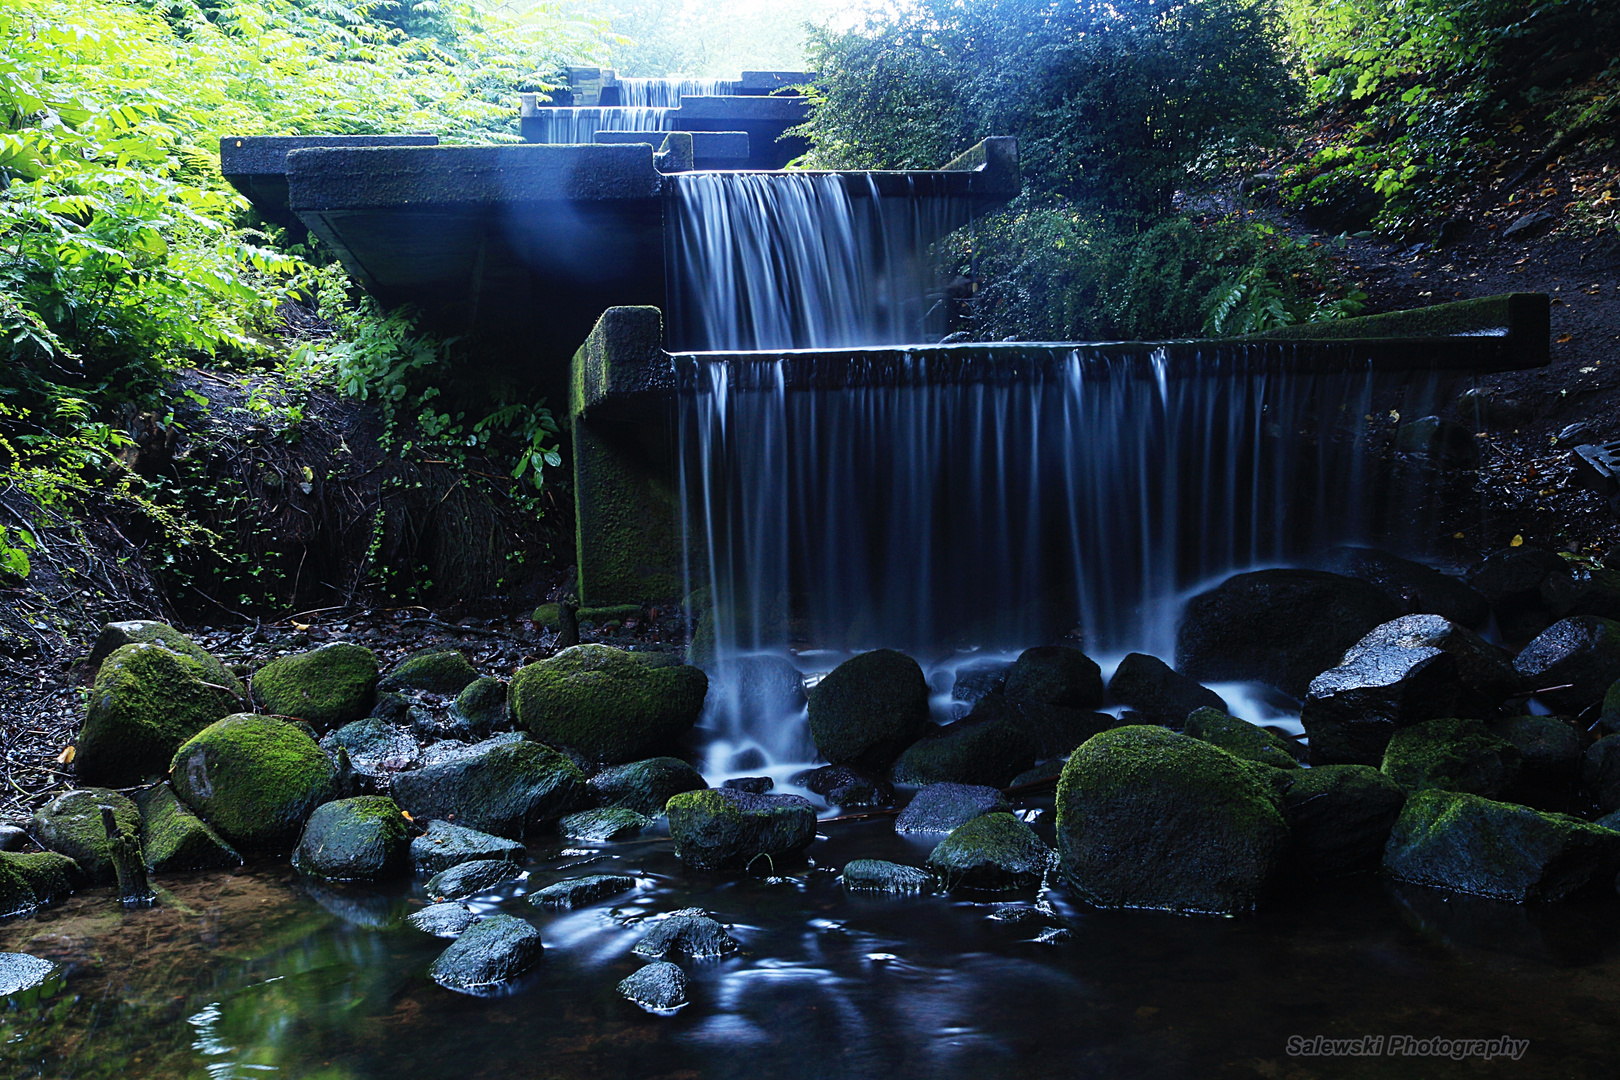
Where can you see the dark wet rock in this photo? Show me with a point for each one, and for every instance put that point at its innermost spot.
(1352, 710)
(747, 759)
(254, 779)
(1241, 738)
(1053, 935)
(1149, 818)
(645, 786)
(1279, 627)
(690, 933)
(1452, 755)
(603, 823)
(1511, 578)
(1445, 443)
(26, 980)
(1045, 772)
(979, 678)
(116, 635)
(1609, 716)
(1600, 773)
(1340, 817)
(972, 751)
(729, 830)
(455, 749)
(994, 852)
(760, 686)
(847, 787)
(71, 825)
(1483, 668)
(444, 845)
(446, 920)
(376, 749)
(939, 808)
(1157, 692)
(1052, 729)
(482, 703)
(437, 670)
(505, 789)
(658, 987)
(361, 839)
(754, 785)
(390, 706)
(470, 879)
(609, 704)
(580, 891)
(429, 723)
(877, 876)
(146, 701)
(327, 687)
(173, 838)
(868, 709)
(1572, 663)
(1416, 588)
(1550, 747)
(50, 875)
(13, 837)
(1453, 840)
(493, 950)
(1055, 675)
(1582, 592)
(17, 897)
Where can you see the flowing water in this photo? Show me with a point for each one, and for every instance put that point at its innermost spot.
(581, 125)
(667, 93)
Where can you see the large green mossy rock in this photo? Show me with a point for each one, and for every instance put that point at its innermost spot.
(994, 853)
(115, 636)
(868, 709)
(1340, 817)
(608, 704)
(482, 703)
(147, 700)
(360, 839)
(1151, 819)
(1454, 840)
(71, 824)
(727, 829)
(17, 896)
(255, 779)
(505, 789)
(645, 786)
(987, 751)
(1452, 755)
(326, 688)
(51, 875)
(173, 838)
(1241, 738)
(1055, 675)
(437, 671)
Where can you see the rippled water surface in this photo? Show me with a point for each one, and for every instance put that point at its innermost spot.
(255, 974)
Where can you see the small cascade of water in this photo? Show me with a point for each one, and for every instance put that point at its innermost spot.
(580, 125)
(666, 93)
(802, 260)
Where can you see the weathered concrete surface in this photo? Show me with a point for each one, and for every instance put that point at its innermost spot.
(710, 149)
(256, 165)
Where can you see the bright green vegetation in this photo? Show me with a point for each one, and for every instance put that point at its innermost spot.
(608, 704)
(173, 838)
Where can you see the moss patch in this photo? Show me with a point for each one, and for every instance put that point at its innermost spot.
(1240, 738)
(71, 824)
(995, 852)
(608, 704)
(483, 703)
(51, 876)
(146, 701)
(255, 779)
(115, 636)
(16, 895)
(173, 838)
(1452, 755)
(327, 687)
(719, 829)
(437, 671)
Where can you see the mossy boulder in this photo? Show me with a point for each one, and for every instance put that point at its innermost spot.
(51, 875)
(255, 779)
(645, 786)
(491, 951)
(443, 845)
(580, 891)
(1055, 675)
(1241, 738)
(726, 829)
(879, 876)
(994, 852)
(1550, 747)
(1452, 755)
(868, 709)
(603, 823)
(436, 671)
(116, 635)
(173, 838)
(482, 703)
(1157, 692)
(360, 839)
(506, 788)
(1055, 729)
(17, 896)
(1454, 840)
(939, 808)
(1152, 819)
(146, 701)
(1340, 817)
(1572, 663)
(608, 704)
(71, 825)
(990, 752)
(327, 687)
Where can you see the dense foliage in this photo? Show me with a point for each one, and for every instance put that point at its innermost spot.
(713, 38)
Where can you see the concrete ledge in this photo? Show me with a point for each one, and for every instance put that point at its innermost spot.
(768, 82)
(706, 145)
(266, 155)
(1521, 321)
(622, 358)
(706, 110)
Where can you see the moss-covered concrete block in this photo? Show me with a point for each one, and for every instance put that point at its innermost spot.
(71, 824)
(437, 671)
(173, 838)
(255, 779)
(146, 701)
(608, 704)
(360, 839)
(326, 688)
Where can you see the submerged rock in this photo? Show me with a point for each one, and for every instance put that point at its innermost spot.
(730, 830)
(327, 687)
(254, 779)
(446, 920)
(579, 891)
(1055, 675)
(606, 703)
(1158, 692)
(847, 787)
(1416, 588)
(1279, 627)
(1351, 711)
(174, 838)
(470, 879)
(972, 751)
(691, 933)
(994, 852)
(505, 788)
(1453, 840)
(1340, 817)
(877, 876)
(71, 825)
(1572, 663)
(444, 845)
(361, 839)
(603, 823)
(493, 950)
(868, 709)
(1148, 818)
(1241, 738)
(1452, 755)
(658, 987)
(439, 670)
(26, 980)
(146, 701)
(939, 808)
(645, 786)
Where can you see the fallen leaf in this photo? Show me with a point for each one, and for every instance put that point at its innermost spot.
(1517, 541)
(66, 756)
(300, 626)
(1562, 338)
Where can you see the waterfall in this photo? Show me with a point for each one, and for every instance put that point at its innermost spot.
(667, 93)
(579, 125)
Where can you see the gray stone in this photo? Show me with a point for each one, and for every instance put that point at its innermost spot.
(754, 785)
(868, 709)
(376, 749)
(446, 920)
(579, 891)
(993, 852)
(444, 845)
(470, 879)
(1352, 710)
(1572, 663)
(493, 950)
(1550, 747)
(659, 987)
(1339, 818)
(939, 808)
(1414, 587)
(505, 789)
(603, 823)
(1483, 668)
(1159, 693)
(1511, 578)
(877, 876)
(645, 786)
(690, 933)
(1056, 675)
(733, 830)
(13, 838)
(482, 703)
(360, 839)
